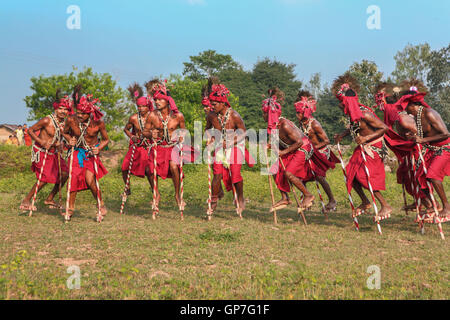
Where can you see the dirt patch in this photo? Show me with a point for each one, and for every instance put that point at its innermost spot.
(71, 262)
(112, 159)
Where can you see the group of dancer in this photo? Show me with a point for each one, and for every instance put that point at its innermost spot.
(410, 128)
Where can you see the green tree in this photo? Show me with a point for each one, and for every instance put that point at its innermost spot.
(315, 85)
(438, 79)
(113, 99)
(366, 72)
(412, 62)
(187, 96)
(208, 63)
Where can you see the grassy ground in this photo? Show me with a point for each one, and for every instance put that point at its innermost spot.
(134, 257)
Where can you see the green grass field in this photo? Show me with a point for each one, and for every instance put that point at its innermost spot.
(135, 257)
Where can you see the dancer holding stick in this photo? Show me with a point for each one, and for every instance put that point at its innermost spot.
(136, 161)
(295, 152)
(231, 152)
(367, 131)
(68, 213)
(45, 154)
(166, 127)
(323, 158)
(87, 167)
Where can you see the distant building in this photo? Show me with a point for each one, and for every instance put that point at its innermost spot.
(6, 130)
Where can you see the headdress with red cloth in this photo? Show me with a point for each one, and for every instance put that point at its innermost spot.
(306, 106)
(207, 104)
(219, 93)
(65, 102)
(413, 96)
(161, 93)
(350, 103)
(273, 108)
(88, 105)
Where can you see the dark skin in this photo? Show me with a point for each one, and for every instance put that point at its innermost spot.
(133, 131)
(46, 134)
(434, 130)
(293, 137)
(234, 123)
(212, 122)
(319, 139)
(91, 137)
(371, 128)
(154, 129)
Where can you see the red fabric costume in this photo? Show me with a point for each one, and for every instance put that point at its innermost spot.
(322, 159)
(355, 168)
(231, 171)
(296, 163)
(140, 160)
(50, 174)
(82, 160)
(438, 161)
(27, 138)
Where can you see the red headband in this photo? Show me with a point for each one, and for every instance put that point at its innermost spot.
(207, 104)
(143, 101)
(65, 102)
(161, 93)
(219, 93)
(273, 108)
(306, 106)
(87, 105)
(404, 101)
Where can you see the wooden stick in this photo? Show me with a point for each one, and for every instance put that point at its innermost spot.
(127, 183)
(38, 183)
(437, 220)
(181, 182)
(355, 220)
(299, 208)
(209, 212)
(60, 183)
(99, 215)
(318, 191)
(66, 216)
(371, 190)
(270, 185)
(155, 182)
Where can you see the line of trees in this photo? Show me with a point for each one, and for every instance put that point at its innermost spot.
(249, 86)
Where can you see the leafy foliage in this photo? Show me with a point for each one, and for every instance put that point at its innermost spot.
(113, 99)
(208, 63)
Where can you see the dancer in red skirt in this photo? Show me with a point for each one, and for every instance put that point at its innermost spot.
(367, 130)
(50, 138)
(84, 129)
(323, 158)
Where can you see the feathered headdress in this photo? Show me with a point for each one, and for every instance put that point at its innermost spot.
(414, 91)
(137, 95)
(343, 83)
(306, 106)
(206, 90)
(273, 108)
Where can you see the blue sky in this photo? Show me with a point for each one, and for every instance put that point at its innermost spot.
(135, 40)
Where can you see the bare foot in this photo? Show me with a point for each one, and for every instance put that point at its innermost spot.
(331, 206)
(26, 206)
(52, 204)
(283, 203)
(385, 212)
(363, 208)
(444, 213)
(307, 202)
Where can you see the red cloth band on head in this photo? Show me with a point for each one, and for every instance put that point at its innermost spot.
(408, 98)
(273, 108)
(65, 102)
(143, 101)
(87, 105)
(306, 106)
